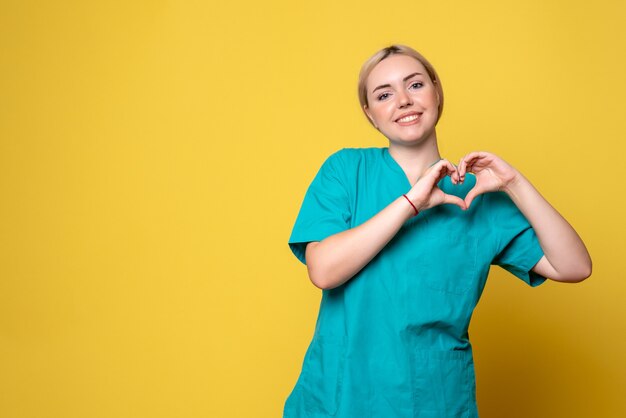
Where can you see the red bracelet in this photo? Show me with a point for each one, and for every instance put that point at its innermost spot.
(408, 200)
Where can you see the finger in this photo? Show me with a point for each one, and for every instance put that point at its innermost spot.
(449, 169)
(455, 200)
(469, 197)
(455, 176)
(452, 171)
(442, 169)
(468, 161)
(462, 168)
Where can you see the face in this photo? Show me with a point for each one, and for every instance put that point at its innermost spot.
(403, 101)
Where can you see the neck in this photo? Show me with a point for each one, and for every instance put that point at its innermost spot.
(415, 159)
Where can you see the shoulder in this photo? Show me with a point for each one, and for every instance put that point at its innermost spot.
(349, 158)
(351, 153)
(353, 156)
(346, 164)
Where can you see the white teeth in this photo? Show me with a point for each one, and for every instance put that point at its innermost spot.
(408, 118)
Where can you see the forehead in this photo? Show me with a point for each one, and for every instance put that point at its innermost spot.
(393, 69)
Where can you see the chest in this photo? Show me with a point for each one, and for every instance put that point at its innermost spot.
(444, 247)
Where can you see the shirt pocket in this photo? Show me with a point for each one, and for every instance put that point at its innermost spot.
(442, 385)
(322, 377)
(447, 263)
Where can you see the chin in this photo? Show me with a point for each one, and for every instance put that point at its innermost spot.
(412, 139)
(417, 138)
(405, 137)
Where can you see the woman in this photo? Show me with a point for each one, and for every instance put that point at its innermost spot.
(401, 242)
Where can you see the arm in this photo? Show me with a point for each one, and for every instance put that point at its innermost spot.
(565, 257)
(336, 259)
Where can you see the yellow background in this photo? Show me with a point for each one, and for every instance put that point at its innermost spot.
(154, 155)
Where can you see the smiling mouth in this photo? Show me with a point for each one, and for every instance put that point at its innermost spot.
(409, 119)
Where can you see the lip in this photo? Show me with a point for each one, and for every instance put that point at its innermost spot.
(409, 114)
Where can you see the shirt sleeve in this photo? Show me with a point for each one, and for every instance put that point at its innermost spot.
(517, 245)
(325, 210)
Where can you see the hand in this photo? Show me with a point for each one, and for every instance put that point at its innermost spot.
(492, 173)
(425, 193)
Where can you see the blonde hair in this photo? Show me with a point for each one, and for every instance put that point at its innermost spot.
(369, 65)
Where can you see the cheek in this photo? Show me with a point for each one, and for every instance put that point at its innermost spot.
(386, 110)
(432, 97)
(428, 97)
(381, 111)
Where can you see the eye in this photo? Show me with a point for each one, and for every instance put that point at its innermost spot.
(419, 83)
(383, 96)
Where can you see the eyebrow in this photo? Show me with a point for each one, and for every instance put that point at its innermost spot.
(382, 86)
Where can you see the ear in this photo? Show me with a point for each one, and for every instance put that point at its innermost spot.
(369, 115)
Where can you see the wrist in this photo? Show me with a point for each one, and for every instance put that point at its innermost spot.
(515, 183)
(415, 204)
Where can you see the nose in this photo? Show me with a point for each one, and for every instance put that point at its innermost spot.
(404, 99)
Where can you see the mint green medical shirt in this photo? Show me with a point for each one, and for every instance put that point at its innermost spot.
(392, 342)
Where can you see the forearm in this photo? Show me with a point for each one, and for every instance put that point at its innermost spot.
(336, 259)
(562, 246)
